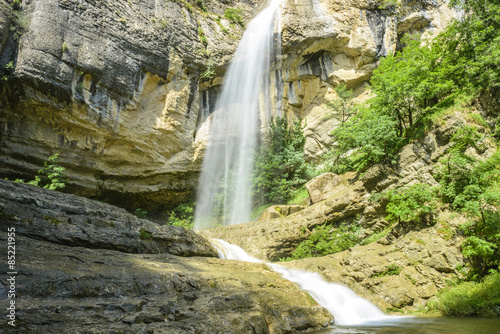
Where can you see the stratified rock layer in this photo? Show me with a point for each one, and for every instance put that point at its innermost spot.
(77, 221)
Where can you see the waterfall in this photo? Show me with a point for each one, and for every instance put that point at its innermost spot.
(343, 303)
(224, 188)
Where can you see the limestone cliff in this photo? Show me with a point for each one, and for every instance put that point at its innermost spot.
(120, 88)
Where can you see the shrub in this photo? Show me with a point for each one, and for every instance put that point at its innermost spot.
(234, 15)
(50, 177)
(324, 240)
(411, 203)
(392, 269)
(470, 298)
(140, 214)
(182, 215)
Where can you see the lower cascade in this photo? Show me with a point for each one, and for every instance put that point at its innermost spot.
(347, 307)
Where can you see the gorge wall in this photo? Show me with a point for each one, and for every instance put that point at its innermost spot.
(123, 90)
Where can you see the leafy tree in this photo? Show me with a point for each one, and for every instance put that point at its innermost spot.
(471, 45)
(411, 83)
(344, 107)
(280, 168)
(366, 138)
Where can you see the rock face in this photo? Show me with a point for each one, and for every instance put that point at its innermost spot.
(77, 221)
(327, 43)
(102, 287)
(122, 90)
(325, 185)
(113, 87)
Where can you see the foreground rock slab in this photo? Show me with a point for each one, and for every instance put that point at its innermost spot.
(63, 289)
(88, 267)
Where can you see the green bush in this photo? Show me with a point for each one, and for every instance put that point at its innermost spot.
(50, 177)
(182, 215)
(470, 298)
(324, 240)
(411, 204)
(392, 269)
(234, 15)
(140, 214)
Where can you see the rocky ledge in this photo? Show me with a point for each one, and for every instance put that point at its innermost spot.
(77, 273)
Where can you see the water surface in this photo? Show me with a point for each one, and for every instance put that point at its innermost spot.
(420, 325)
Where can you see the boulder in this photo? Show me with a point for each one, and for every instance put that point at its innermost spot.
(326, 185)
(72, 220)
(279, 211)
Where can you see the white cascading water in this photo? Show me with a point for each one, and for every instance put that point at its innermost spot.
(234, 127)
(343, 303)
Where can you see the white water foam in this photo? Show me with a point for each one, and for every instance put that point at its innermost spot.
(234, 127)
(347, 307)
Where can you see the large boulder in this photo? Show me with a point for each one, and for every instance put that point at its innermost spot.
(72, 220)
(326, 185)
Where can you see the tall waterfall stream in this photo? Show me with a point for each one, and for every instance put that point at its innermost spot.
(234, 126)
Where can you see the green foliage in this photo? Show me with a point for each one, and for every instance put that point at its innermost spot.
(19, 18)
(141, 214)
(280, 168)
(344, 107)
(182, 215)
(366, 138)
(64, 47)
(209, 73)
(410, 84)
(376, 236)
(324, 240)
(471, 45)
(7, 70)
(392, 269)
(202, 36)
(411, 204)
(144, 235)
(455, 172)
(234, 15)
(422, 79)
(470, 299)
(298, 196)
(50, 177)
(473, 187)
(162, 23)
